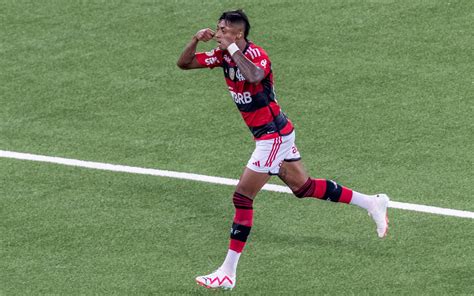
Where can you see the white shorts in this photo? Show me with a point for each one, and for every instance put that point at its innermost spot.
(269, 154)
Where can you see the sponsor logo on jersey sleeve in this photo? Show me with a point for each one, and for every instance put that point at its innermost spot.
(211, 61)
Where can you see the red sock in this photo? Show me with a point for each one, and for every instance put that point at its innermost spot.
(243, 221)
(324, 189)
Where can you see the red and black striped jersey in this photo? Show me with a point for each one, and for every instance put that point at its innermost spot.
(256, 102)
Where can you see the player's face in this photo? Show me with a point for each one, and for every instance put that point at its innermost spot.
(227, 31)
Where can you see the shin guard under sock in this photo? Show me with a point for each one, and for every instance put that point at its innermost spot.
(239, 233)
(324, 189)
(243, 221)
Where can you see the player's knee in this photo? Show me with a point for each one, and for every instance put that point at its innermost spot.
(241, 201)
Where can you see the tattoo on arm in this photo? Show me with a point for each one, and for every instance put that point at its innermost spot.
(252, 73)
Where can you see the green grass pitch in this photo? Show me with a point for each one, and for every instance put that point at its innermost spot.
(381, 94)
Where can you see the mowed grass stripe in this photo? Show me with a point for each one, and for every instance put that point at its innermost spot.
(205, 178)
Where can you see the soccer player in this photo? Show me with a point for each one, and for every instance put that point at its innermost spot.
(249, 77)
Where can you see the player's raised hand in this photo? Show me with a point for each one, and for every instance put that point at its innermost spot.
(205, 34)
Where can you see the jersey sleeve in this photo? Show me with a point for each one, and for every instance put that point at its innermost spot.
(260, 58)
(210, 59)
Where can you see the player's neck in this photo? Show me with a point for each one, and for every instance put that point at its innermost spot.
(242, 44)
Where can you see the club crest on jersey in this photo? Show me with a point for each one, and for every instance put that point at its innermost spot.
(235, 73)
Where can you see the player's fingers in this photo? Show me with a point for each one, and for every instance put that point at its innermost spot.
(199, 35)
(202, 33)
(211, 32)
(208, 35)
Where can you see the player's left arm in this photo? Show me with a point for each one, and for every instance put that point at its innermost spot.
(249, 70)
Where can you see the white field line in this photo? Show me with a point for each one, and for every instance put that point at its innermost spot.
(208, 179)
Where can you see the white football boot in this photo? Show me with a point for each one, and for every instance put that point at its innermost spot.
(378, 212)
(217, 280)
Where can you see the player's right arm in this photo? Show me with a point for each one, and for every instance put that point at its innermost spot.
(188, 60)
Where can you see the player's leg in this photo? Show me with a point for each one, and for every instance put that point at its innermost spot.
(249, 185)
(295, 176)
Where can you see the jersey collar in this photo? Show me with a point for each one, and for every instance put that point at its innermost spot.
(246, 47)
